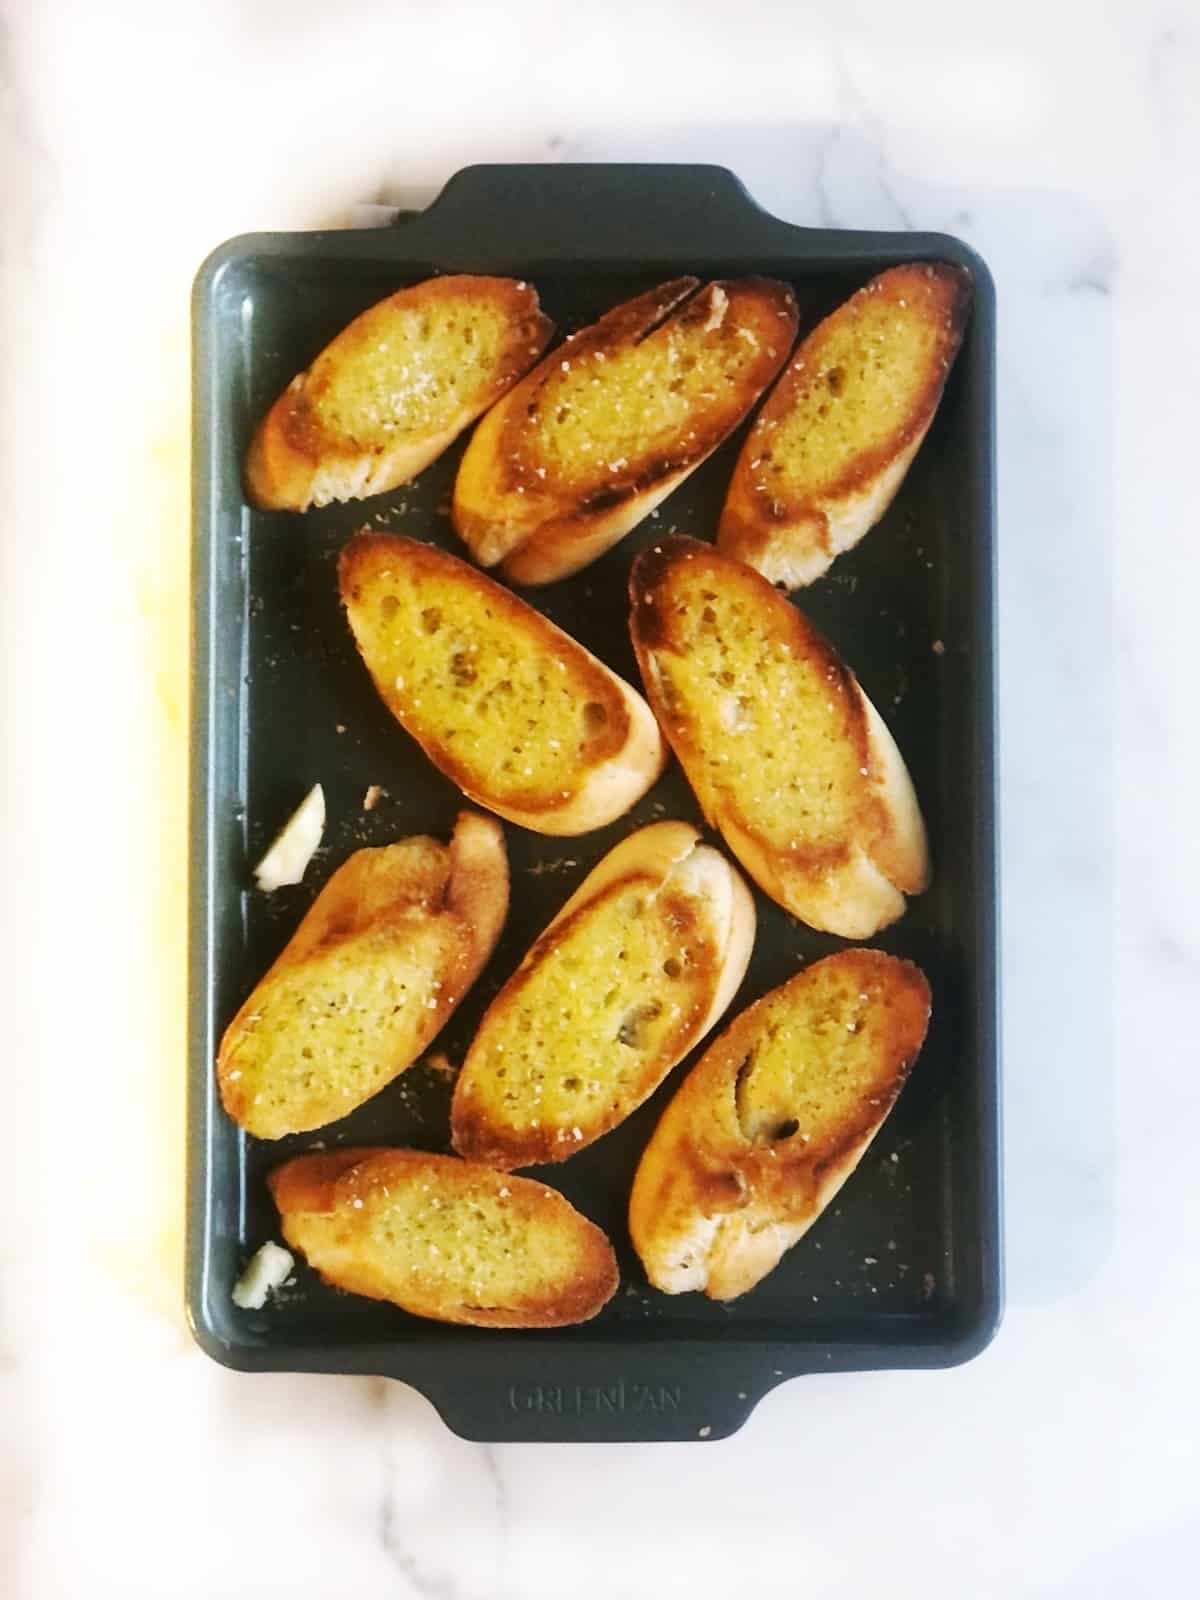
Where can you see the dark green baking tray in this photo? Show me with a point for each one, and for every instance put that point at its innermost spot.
(904, 1270)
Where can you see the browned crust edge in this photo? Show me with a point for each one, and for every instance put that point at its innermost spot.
(474, 893)
(650, 628)
(789, 1174)
(325, 1182)
(471, 1133)
(368, 550)
(686, 302)
(291, 435)
(568, 525)
(751, 517)
(696, 1162)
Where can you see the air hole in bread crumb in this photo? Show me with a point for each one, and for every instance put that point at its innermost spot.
(431, 619)
(462, 671)
(594, 715)
(635, 1020)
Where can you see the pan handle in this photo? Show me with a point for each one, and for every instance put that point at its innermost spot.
(656, 213)
(594, 1396)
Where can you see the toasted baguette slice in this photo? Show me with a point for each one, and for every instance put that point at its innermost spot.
(378, 965)
(445, 1238)
(613, 420)
(772, 1120)
(787, 756)
(635, 969)
(393, 390)
(525, 720)
(838, 432)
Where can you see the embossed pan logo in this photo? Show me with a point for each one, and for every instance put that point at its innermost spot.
(586, 1400)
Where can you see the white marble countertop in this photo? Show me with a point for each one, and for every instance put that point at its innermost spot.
(1063, 142)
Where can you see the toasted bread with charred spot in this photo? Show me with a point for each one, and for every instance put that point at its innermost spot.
(525, 720)
(639, 964)
(787, 756)
(445, 1238)
(772, 1120)
(378, 965)
(614, 419)
(837, 434)
(393, 390)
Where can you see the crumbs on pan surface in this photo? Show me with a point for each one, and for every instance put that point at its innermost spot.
(559, 864)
